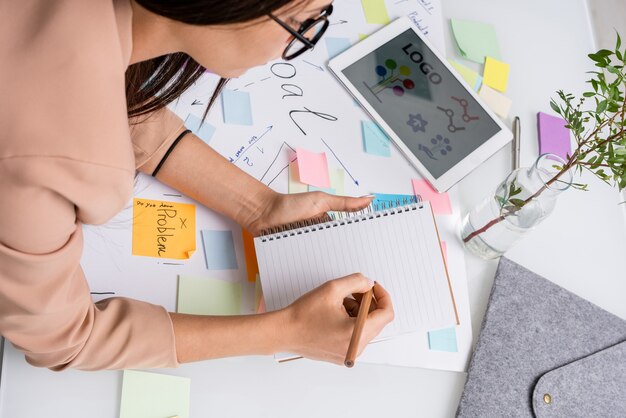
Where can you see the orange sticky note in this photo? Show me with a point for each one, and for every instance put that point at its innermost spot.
(313, 168)
(164, 229)
(440, 202)
(262, 308)
(496, 74)
(249, 252)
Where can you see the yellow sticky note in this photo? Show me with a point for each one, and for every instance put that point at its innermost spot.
(470, 76)
(164, 229)
(205, 296)
(496, 74)
(295, 185)
(362, 36)
(147, 394)
(337, 181)
(375, 12)
(498, 102)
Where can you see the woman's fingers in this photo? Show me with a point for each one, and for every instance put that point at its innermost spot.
(358, 296)
(383, 314)
(318, 327)
(347, 285)
(346, 203)
(352, 306)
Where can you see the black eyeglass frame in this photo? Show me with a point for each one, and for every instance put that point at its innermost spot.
(304, 27)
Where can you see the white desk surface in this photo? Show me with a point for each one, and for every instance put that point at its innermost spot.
(579, 247)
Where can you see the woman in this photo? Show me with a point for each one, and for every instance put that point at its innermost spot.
(73, 74)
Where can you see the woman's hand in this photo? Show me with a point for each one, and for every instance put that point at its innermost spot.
(281, 209)
(317, 325)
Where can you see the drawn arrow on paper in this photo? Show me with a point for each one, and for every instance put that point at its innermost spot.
(313, 65)
(253, 140)
(342, 164)
(269, 128)
(197, 102)
(274, 160)
(341, 22)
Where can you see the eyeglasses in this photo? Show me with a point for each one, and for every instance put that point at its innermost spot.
(305, 38)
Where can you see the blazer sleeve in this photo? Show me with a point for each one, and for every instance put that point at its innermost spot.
(46, 309)
(152, 136)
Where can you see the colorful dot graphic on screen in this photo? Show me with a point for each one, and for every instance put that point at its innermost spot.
(392, 77)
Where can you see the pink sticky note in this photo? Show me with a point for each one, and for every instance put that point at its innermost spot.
(444, 249)
(440, 202)
(313, 168)
(554, 137)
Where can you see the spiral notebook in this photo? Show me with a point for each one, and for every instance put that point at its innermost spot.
(398, 247)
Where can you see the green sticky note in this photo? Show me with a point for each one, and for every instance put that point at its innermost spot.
(375, 12)
(475, 40)
(328, 190)
(443, 340)
(154, 395)
(204, 296)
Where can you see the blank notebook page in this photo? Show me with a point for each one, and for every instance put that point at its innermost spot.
(398, 247)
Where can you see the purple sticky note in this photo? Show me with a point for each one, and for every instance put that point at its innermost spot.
(554, 137)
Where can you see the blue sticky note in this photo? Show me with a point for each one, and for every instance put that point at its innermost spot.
(385, 200)
(443, 340)
(479, 82)
(219, 250)
(328, 190)
(336, 46)
(375, 141)
(236, 107)
(204, 131)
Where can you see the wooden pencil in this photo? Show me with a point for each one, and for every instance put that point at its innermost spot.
(358, 328)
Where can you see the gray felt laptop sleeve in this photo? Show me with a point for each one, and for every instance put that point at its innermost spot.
(545, 352)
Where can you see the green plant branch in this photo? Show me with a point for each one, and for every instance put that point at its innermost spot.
(593, 152)
(516, 208)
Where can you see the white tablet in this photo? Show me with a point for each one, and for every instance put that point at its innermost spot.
(435, 119)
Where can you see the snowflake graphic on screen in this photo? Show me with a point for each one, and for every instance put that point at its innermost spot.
(417, 123)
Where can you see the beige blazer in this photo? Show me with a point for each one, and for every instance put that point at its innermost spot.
(68, 158)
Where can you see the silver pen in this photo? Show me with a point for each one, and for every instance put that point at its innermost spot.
(517, 131)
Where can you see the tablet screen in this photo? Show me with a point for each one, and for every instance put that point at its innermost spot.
(422, 102)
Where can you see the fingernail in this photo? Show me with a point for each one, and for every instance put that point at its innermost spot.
(371, 283)
(367, 195)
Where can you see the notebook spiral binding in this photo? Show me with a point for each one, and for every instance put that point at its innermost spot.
(335, 219)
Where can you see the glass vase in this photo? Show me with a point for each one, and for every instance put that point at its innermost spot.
(520, 203)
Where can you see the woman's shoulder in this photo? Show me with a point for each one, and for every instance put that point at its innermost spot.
(63, 82)
(63, 107)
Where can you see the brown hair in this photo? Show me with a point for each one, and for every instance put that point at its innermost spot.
(153, 84)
